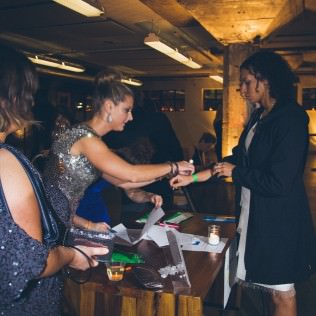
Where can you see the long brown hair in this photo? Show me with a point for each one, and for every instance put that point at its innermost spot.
(18, 83)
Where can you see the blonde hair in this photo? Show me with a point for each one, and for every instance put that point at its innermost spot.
(108, 85)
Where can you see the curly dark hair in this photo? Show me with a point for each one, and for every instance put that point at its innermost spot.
(18, 83)
(108, 85)
(267, 65)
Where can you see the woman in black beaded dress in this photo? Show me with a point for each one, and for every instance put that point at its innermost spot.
(29, 257)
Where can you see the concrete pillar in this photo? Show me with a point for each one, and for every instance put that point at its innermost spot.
(235, 111)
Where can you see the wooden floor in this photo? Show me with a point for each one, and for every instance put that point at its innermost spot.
(254, 303)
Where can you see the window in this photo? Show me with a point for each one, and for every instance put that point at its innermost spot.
(167, 100)
(309, 98)
(212, 99)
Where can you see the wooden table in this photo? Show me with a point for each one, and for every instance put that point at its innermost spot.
(127, 298)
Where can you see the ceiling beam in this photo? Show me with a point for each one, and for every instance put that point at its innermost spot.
(242, 21)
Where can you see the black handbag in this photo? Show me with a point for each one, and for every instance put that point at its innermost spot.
(78, 236)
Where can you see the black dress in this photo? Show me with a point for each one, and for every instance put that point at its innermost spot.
(22, 259)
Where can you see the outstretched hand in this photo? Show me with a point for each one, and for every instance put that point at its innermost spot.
(157, 200)
(185, 168)
(180, 181)
(99, 227)
(223, 169)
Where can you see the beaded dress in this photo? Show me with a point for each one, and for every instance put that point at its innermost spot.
(67, 176)
(22, 259)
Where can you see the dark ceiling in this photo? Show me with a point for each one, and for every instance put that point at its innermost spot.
(200, 29)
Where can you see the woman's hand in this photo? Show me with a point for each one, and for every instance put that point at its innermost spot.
(185, 168)
(80, 262)
(180, 181)
(156, 200)
(99, 227)
(223, 169)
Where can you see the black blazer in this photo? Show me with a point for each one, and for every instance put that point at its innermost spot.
(280, 246)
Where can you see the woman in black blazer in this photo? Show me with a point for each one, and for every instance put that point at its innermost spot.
(277, 242)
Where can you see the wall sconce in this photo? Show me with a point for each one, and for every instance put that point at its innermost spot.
(154, 42)
(52, 62)
(88, 8)
(217, 78)
(132, 82)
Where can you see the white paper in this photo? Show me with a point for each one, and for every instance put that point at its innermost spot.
(158, 235)
(192, 242)
(133, 236)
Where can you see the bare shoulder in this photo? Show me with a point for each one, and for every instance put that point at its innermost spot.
(19, 194)
(87, 144)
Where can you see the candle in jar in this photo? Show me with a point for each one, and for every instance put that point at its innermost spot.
(213, 239)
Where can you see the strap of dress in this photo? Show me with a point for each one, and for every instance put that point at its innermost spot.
(49, 225)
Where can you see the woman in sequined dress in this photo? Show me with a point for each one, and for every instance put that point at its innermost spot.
(79, 156)
(29, 257)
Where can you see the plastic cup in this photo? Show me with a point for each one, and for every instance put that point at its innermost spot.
(115, 270)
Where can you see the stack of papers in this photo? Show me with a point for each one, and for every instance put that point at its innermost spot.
(158, 234)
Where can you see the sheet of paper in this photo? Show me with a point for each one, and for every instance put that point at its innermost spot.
(133, 236)
(121, 231)
(192, 242)
(159, 235)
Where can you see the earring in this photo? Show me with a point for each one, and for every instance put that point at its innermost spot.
(109, 118)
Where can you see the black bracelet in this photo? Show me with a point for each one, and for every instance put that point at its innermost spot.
(67, 272)
(170, 173)
(177, 169)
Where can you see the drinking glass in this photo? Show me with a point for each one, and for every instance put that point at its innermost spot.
(115, 270)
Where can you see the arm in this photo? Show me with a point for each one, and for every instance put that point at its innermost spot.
(180, 181)
(86, 224)
(109, 163)
(125, 185)
(140, 196)
(25, 212)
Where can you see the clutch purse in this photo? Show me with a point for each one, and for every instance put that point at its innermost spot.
(77, 236)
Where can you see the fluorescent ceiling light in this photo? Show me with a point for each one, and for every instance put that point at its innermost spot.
(51, 62)
(217, 78)
(85, 7)
(154, 41)
(132, 82)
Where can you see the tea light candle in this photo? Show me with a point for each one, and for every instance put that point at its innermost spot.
(214, 234)
(213, 239)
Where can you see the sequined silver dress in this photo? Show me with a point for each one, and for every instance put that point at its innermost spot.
(67, 176)
(22, 259)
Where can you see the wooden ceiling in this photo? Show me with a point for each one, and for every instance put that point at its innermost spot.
(198, 28)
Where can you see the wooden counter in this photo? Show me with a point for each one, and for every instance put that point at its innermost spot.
(99, 296)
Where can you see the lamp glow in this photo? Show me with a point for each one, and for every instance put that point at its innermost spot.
(154, 42)
(50, 62)
(132, 82)
(217, 78)
(87, 8)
